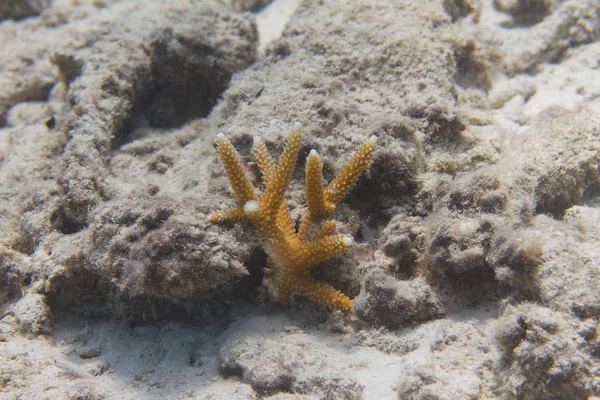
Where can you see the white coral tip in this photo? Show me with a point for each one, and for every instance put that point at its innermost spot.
(313, 153)
(373, 138)
(298, 124)
(251, 206)
(220, 136)
(348, 240)
(256, 140)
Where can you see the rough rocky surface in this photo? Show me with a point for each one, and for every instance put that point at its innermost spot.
(526, 11)
(17, 9)
(477, 260)
(547, 351)
(261, 356)
(117, 86)
(385, 301)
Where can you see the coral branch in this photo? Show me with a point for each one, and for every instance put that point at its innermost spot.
(318, 207)
(278, 185)
(346, 180)
(294, 253)
(240, 184)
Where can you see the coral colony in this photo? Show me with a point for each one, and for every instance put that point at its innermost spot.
(294, 252)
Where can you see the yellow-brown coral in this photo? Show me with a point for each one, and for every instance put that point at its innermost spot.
(294, 252)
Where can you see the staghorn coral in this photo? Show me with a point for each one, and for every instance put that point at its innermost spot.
(294, 252)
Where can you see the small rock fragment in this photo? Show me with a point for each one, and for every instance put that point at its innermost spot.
(89, 353)
(33, 314)
(17, 9)
(386, 301)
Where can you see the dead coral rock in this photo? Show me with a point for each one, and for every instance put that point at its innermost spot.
(402, 241)
(482, 219)
(484, 222)
(27, 48)
(290, 396)
(459, 232)
(526, 11)
(33, 314)
(478, 192)
(246, 5)
(73, 278)
(407, 70)
(523, 86)
(387, 301)
(144, 70)
(569, 277)
(473, 62)
(184, 64)
(147, 249)
(272, 361)
(585, 218)
(515, 256)
(16, 9)
(32, 204)
(28, 73)
(423, 384)
(560, 173)
(124, 245)
(546, 352)
(28, 113)
(81, 391)
(461, 8)
(228, 389)
(385, 341)
(470, 210)
(396, 165)
(16, 270)
(458, 244)
(458, 367)
(574, 23)
(396, 170)
(69, 64)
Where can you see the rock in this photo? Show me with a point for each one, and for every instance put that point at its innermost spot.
(33, 314)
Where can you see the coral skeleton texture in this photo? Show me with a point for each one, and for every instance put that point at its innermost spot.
(294, 252)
